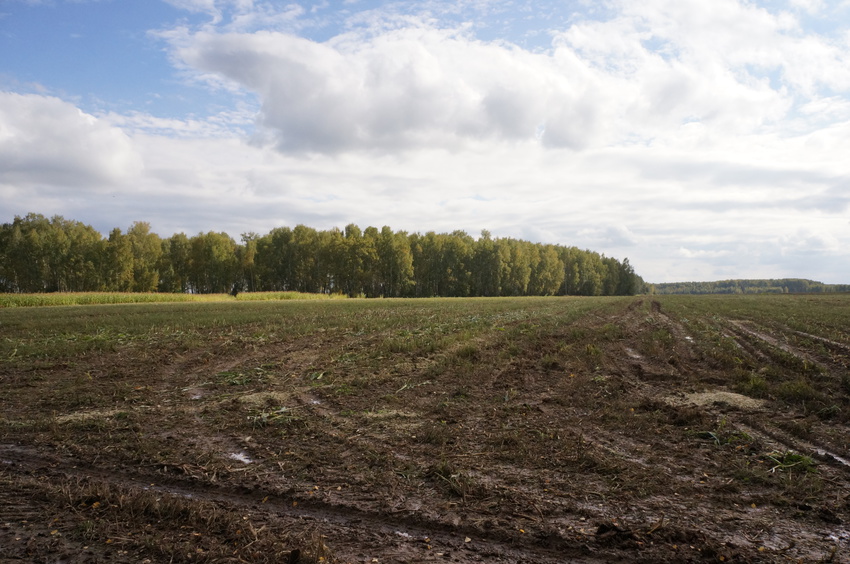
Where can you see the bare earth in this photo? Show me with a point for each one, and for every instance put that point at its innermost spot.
(617, 435)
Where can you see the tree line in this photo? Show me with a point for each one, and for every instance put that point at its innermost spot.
(771, 286)
(38, 254)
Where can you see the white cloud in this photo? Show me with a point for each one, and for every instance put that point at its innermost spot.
(688, 253)
(407, 88)
(46, 141)
(242, 15)
(810, 6)
(403, 83)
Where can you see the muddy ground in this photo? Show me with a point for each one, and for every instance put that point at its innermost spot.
(634, 430)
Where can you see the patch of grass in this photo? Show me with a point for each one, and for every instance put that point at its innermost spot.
(468, 351)
(281, 416)
(611, 332)
(753, 385)
(234, 378)
(657, 342)
(550, 362)
(451, 479)
(797, 391)
(789, 461)
(723, 435)
(437, 434)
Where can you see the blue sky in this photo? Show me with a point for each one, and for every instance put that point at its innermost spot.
(702, 140)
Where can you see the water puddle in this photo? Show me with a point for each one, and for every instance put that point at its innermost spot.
(828, 455)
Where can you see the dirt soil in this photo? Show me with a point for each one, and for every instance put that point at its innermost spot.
(628, 434)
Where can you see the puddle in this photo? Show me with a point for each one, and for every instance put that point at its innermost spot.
(241, 457)
(826, 454)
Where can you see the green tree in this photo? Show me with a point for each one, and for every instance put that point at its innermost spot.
(516, 267)
(118, 266)
(25, 264)
(456, 253)
(213, 265)
(427, 265)
(84, 264)
(395, 264)
(174, 264)
(547, 272)
(247, 253)
(273, 261)
(358, 258)
(146, 249)
(486, 267)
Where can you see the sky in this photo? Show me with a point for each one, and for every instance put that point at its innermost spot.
(702, 140)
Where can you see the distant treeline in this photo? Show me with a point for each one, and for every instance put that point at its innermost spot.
(780, 286)
(38, 254)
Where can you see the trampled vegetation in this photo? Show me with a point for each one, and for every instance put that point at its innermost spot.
(675, 428)
(57, 255)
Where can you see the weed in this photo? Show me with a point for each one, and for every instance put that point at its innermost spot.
(592, 351)
(345, 389)
(577, 334)
(468, 351)
(722, 435)
(797, 391)
(437, 434)
(452, 480)
(789, 461)
(279, 416)
(611, 332)
(549, 362)
(313, 550)
(409, 386)
(234, 378)
(753, 385)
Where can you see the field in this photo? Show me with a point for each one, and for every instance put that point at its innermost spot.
(642, 429)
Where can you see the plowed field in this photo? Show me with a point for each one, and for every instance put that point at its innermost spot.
(648, 429)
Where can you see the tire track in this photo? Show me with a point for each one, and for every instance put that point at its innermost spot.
(500, 545)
